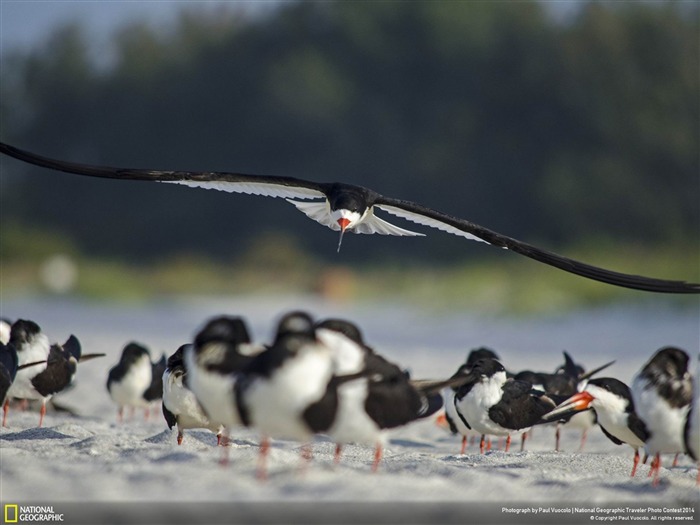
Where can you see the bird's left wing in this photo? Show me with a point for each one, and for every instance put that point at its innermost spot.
(456, 226)
(264, 185)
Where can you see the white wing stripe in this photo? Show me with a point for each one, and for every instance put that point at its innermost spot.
(265, 189)
(317, 211)
(373, 224)
(428, 221)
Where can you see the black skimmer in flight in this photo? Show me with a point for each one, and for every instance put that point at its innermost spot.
(567, 380)
(662, 392)
(345, 207)
(611, 400)
(454, 423)
(691, 431)
(493, 405)
(373, 395)
(180, 406)
(130, 378)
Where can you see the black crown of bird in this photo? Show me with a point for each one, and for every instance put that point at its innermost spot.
(346, 207)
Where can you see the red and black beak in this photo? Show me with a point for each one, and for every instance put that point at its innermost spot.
(343, 223)
(577, 402)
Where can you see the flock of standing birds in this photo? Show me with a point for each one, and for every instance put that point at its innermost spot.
(322, 378)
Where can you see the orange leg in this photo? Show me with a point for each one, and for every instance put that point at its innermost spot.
(306, 456)
(338, 452)
(508, 443)
(377, 457)
(636, 462)
(262, 459)
(523, 439)
(42, 413)
(464, 445)
(482, 444)
(180, 435)
(675, 460)
(655, 466)
(5, 410)
(584, 435)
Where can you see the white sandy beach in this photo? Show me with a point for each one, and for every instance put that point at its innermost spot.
(91, 458)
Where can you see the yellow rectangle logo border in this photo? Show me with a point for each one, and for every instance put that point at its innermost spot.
(9, 506)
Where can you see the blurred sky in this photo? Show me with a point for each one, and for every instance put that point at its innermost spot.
(27, 23)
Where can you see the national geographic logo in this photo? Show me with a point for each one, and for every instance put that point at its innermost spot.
(14, 513)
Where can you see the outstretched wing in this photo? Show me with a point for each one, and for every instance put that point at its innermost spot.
(456, 226)
(268, 186)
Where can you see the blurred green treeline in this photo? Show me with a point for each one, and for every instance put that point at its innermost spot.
(563, 134)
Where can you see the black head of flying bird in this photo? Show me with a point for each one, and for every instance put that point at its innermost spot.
(345, 207)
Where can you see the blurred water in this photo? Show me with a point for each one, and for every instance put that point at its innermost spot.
(429, 343)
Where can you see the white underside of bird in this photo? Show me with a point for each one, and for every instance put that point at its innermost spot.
(665, 423)
(276, 403)
(183, 404)
(129, 391)
(37, 350)
(214, 391)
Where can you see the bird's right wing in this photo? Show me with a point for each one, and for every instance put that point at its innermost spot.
(264, 185)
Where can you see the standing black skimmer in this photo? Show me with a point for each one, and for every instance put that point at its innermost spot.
(8, 370)
(57, 372)
(345, 207)
(662, 392)
(180, 406)
(283, 391)
(373, 395)
(453, 420)
(32, 345)
(9, 366)
(567, 380)
(611, 400)
(129, 379)
(691, 431)
(154, 392)
(222, 349)
(491, 404)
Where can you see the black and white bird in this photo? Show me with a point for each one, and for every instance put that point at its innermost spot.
(491, 404)
(283, 391)
(454, 423)
(130, 379)
(222, 349)
(32, 345)
(373, 394)
(662, 392)
(9, 365)
(180, 406)
(345, 207)
(691, 431)
(611, 400)
(566, 380)
(154, 392)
